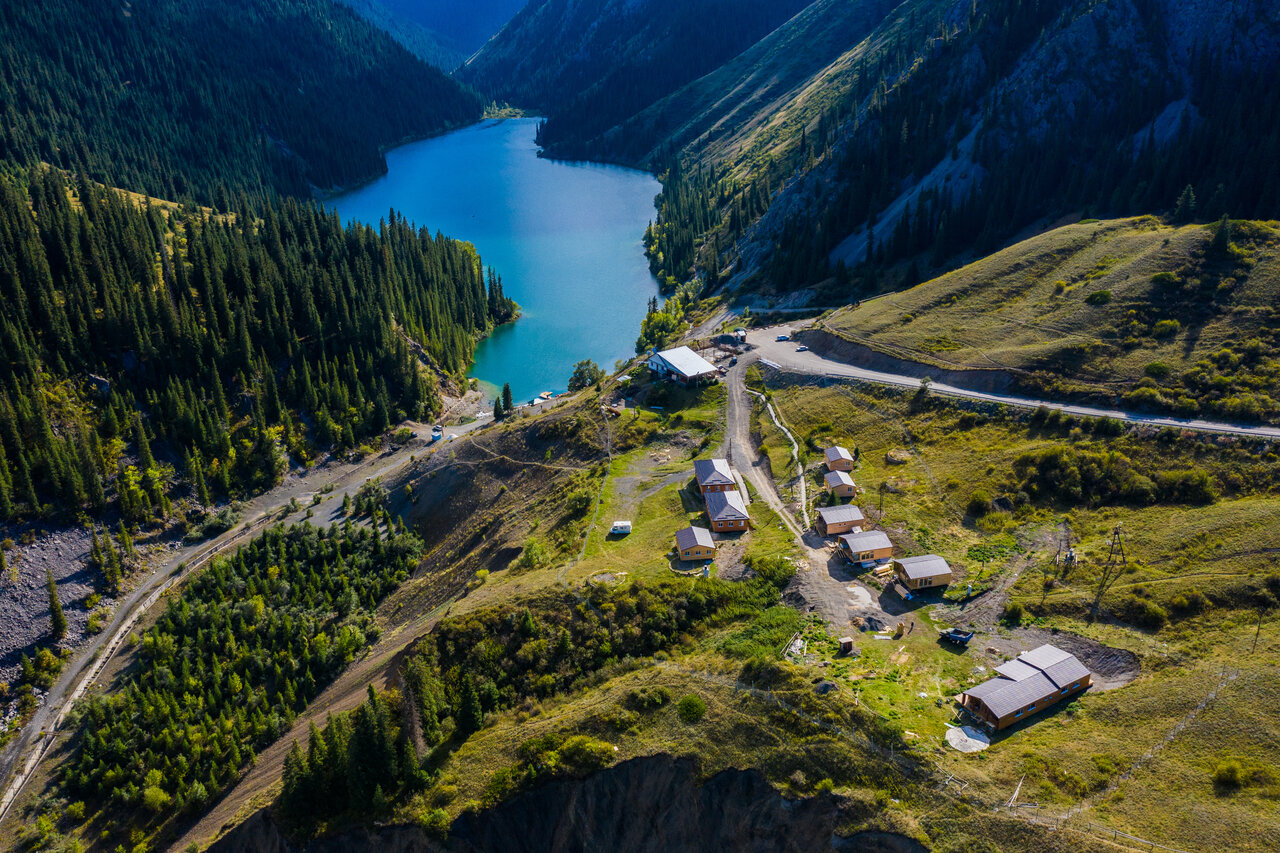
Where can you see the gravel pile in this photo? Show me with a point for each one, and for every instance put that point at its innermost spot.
(24, 605)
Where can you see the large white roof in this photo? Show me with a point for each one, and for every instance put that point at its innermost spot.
(686, 362)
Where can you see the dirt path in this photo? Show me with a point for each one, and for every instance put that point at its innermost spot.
(823, 586)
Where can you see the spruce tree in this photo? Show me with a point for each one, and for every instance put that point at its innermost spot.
(57, 618)
(507, 405)
(470, 714)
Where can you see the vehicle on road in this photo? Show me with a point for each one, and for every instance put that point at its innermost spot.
(733, 360)
(783, 337)
(452, 436)
(802, 348)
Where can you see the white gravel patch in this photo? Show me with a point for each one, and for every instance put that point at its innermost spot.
(967, 739)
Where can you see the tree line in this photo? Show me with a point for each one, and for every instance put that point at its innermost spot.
(227, 341)
(472, 666)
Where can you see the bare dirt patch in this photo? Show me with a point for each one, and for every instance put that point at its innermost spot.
(1111, 667)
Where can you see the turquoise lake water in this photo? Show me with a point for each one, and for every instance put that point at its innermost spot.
(567, 239)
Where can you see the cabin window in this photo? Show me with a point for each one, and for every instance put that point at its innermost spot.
(1017, 714)
(1065, 689)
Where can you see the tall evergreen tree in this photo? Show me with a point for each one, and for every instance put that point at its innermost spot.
(57, 619)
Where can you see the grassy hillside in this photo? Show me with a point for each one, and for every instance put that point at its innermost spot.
(1132, 312)
(1201, 586)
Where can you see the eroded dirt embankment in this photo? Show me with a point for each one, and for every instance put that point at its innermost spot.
(654, 804)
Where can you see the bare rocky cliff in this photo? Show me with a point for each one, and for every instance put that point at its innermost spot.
(646, 804)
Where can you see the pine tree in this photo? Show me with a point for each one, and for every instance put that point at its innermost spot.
(1221, 245)
(507, 406)
(57, 618)
(1185, 209)
(470, 714)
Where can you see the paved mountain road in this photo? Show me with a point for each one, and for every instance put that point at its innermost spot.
(783, 355)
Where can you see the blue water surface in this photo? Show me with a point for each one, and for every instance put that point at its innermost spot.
(567, 239)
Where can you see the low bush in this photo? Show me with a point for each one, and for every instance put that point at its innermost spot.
(691, 708)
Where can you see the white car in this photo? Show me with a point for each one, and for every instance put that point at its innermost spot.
(452, 436)
(802, 348)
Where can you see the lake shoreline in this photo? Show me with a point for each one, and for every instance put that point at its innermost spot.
(566, 237)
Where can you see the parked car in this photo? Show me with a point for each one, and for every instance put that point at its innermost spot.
(733, 360)
(956, 636)
(783, 337)
(802, 348)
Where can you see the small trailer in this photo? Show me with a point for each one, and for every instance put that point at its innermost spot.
(956, 636)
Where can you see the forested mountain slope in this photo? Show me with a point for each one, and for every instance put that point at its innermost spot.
(198, 99)
(591, 64)
(468, 24)
(226, 341)
(431, 47)
(441, 32)
(870, 133)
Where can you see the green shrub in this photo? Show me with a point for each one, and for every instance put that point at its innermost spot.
(1228, 775)
(1157, 370)
(1145, 613)
(1098, 297)
(1013, 613)
(1166, 279)
(1189, 603)
(979, 504)
(1166, 328)
(691, 708)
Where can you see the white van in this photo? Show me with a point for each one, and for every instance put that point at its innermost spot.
(620, 528)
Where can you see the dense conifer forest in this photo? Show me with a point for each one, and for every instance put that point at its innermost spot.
(228, 666)
(198, 99)
(145, 346)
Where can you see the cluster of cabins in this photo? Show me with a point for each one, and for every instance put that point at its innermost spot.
(726, 510)
(871, 549)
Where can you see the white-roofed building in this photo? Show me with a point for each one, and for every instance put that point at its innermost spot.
(682, 365)
(841, 484)
(834, 520)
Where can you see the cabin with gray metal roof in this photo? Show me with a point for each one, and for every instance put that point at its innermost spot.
(1026, 685)
(925, 572)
